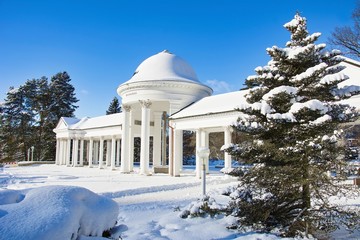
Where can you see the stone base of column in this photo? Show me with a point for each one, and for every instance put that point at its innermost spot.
(161, 169)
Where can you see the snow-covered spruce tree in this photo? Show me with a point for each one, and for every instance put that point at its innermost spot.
(292, 114)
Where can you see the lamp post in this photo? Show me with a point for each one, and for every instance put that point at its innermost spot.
(203, 153)
(32, 153)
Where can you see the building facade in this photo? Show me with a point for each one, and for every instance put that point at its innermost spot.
(162, 99)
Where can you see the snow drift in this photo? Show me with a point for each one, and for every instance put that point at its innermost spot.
(55, 212)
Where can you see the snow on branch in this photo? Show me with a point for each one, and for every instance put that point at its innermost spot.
(321, 120)
(313, 104)
(294, 23)
(277, 90)
(335, 77)
(289, 117)
(313, 37)
(310, 72)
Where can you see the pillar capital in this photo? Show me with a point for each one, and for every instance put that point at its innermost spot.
(126, 107)
(145, 103)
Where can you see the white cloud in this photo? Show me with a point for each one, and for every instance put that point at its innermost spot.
(219, 86)
(84, 92)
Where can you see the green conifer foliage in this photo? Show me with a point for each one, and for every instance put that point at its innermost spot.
(114, 107)
(292, 115)
(29, 115)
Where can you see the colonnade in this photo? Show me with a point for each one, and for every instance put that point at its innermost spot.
(76, 151)
(79, 149)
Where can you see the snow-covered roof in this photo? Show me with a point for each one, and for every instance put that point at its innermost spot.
(164, 66)
(230, 101)
(164, 77)
(213, 104)
(352, 70)
(68, 121)
(96, 122)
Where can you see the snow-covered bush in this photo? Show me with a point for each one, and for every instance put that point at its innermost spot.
(205, 206)
(55, 212)
(236, 172)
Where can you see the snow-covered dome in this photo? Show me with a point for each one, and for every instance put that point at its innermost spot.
(164, 66)
(164, 77)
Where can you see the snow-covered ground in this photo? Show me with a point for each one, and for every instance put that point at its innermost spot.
(149, 206)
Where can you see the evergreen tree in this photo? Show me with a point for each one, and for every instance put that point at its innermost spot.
(64, 97)
(39, 100)
(114, 107)
(31, 112)
(189, 143)
(62, 94)
(17, 119)
(292, 115)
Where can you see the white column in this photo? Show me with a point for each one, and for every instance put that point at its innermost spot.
(178, 151)
(205, 143)
(68, 152)
(101, 153)
(91, 145)
(96, 152)
(198, 160)
(113, 149)
(131, 143)
(86, 151)
(125, 140)
(57, 154)
(163, 138)
(118, 153)
(131, 147)
(81, 152)
(227, 141)
(145, 130)
(75, 152)
(61, 152)
(108, 152)
(171, 150)
(157, 139)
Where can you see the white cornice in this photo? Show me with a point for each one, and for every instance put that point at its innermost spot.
(207, 115)
(158, 84)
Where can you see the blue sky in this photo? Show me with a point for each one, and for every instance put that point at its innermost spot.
(100, 43)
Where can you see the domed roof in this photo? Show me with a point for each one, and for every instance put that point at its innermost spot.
(164, 66)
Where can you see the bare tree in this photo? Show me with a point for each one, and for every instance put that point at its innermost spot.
(348, 38)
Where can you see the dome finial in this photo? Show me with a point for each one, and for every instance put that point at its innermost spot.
(166, 51)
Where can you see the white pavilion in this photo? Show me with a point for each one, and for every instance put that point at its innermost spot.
(163, 98)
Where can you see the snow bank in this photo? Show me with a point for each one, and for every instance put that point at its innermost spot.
(55, 212)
